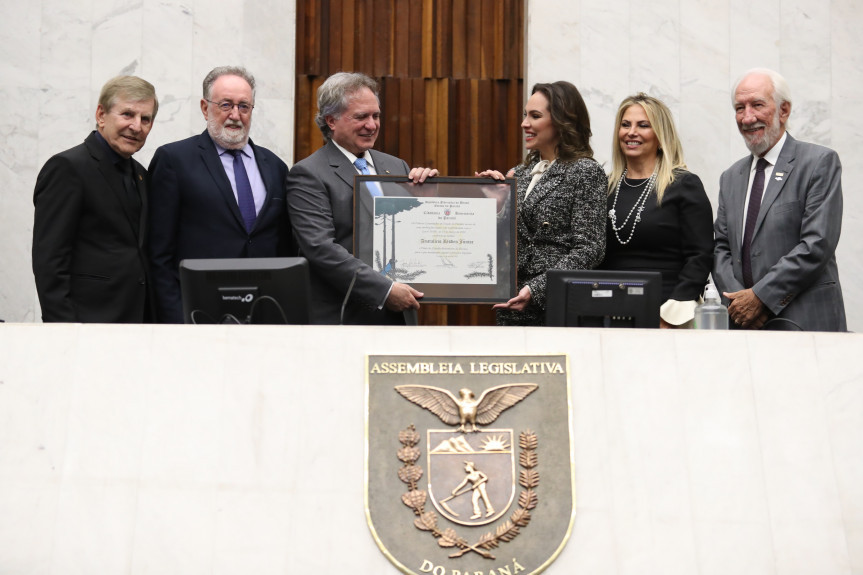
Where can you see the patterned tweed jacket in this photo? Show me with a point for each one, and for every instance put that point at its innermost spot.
(561, 225)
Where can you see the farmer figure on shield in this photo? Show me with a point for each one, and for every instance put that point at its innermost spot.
(478, 479)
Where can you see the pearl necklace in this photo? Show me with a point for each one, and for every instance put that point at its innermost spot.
(637, 208)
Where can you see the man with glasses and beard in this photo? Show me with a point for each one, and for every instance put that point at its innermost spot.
(779, 218)
(217, 194)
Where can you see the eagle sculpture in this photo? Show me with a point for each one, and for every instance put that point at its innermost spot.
(466, 410)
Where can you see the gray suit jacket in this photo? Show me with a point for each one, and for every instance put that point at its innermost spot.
(320, 195)
(796, 233)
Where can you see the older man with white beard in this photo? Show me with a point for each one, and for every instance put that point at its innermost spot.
(217, 194)
(779, 218)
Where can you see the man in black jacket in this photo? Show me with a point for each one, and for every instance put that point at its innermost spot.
(90, 222)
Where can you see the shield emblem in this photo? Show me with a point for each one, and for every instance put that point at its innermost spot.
(469, 462)
(471, 478)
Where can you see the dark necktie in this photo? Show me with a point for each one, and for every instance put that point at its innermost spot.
(245, 199)
(131, 191)
(751, 218)
(129, 182)
(363, 166)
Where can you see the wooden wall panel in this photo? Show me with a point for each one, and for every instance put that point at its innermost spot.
(347, 34)
(334, 31)
(489, 30)
(429, 26)
(443, 44)
(419, 124)
(363, 40)
(450, 75)
(438, 124)
(486, 125)
(403, 41)
(459, 38)
(380, 23)
(473, 137)
(474, 26)
(415, 46)
(407, 122)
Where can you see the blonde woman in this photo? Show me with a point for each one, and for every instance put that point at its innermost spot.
(659, 217)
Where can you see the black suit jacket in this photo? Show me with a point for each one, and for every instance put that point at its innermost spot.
(321, 201)
(89, 254)
(194, 214)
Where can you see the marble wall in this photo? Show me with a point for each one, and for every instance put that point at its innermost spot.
(689, 53)
(56, 55)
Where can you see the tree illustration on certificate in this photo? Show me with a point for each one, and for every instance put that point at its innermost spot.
(386, 210)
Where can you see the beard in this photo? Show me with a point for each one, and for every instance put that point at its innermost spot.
(772, 133)
(228, 139)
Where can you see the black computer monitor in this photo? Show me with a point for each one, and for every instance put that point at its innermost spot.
(598, 298)
(245, 290)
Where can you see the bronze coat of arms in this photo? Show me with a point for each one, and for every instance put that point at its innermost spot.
(469, 462)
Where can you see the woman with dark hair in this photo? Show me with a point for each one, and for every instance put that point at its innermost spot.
(561, 198)
(659, 217)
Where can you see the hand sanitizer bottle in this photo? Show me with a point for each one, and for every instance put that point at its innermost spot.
(711, 314)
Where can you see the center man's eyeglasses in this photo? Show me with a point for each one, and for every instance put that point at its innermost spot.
(243, 107)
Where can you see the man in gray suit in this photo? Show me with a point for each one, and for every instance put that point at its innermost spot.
(779, 217)
(320, 195)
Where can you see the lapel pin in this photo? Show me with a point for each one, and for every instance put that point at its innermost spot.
(780, 174)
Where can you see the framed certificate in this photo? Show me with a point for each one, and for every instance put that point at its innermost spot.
(451, 238)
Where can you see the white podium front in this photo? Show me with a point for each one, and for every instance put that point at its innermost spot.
(239, 449)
